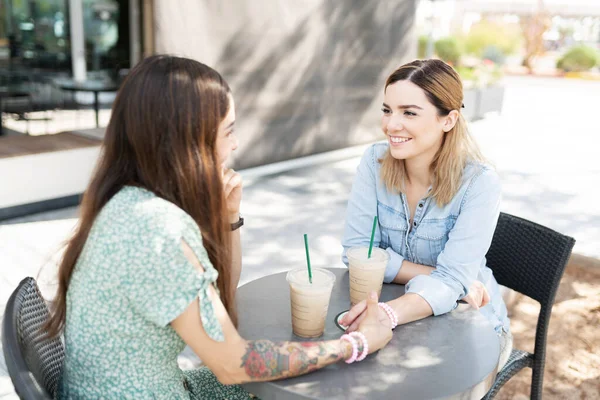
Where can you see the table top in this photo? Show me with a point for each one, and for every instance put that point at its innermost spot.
(87, 85)
(450, 356)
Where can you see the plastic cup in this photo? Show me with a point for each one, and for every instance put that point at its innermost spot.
(366, 274)
(309, 302)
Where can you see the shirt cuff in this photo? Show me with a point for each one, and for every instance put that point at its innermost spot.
(393, 266)
(441, 298)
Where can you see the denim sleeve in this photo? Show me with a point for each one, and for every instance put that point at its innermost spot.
(469, 240)
(393, 266)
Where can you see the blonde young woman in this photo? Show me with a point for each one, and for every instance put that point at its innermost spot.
(437, 202)
(155, 260)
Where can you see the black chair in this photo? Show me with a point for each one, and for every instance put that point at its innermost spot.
(34, 361)
(17, 95)
(530, 259)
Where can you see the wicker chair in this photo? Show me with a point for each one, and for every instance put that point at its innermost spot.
(34, 362)
(530, 259)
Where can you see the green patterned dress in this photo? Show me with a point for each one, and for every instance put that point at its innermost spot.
(131, 280)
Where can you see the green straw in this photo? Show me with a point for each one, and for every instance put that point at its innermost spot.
(307, 258)
(372, 236)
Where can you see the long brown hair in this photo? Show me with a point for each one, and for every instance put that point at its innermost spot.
(444, 90)
(162, 137)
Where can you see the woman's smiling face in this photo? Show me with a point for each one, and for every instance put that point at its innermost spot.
(411, 123)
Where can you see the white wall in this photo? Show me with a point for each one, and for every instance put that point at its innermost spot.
(307, 76)
(38, 177)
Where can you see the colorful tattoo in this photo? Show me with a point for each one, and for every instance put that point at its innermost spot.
(267, 360)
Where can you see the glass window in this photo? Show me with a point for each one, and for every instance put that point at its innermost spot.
(37, 33)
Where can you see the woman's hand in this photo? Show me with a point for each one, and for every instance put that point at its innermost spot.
(232, 188)
(478, 295)
(358, 313)
(378, 334)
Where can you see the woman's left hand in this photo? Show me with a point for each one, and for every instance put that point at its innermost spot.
(232, 188)
(478, 295)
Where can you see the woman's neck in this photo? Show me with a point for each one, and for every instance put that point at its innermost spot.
(418, 172)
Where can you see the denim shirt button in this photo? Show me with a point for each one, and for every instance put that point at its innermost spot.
(420, 205)
(415, 223)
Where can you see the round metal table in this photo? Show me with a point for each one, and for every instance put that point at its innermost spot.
(93, 86)
(450, 356)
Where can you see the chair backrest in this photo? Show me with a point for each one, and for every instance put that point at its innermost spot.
(531, 259)
(16, 81)
(528, 257)
(33, 360)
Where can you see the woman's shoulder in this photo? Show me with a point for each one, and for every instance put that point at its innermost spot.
(374, 153)
(377, 150)
(477, 170)
(480, 176)
(141, 209)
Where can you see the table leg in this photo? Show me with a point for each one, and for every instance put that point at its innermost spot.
(1, 117)
(96, 108)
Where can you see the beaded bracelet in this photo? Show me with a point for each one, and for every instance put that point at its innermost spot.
(352, 341)
(365, 344)
(390, 313)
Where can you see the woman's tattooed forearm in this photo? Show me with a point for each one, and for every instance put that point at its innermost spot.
(265, 359)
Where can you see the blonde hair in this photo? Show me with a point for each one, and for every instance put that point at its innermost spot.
(443, 88)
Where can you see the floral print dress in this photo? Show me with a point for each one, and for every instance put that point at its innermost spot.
(131, 280)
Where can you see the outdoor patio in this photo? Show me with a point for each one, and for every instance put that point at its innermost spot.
(544, 146)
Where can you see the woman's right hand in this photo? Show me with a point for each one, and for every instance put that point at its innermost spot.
(377, 333)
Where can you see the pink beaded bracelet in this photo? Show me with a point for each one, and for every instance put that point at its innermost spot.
(390, 313)
(352, 341)
(365, 344)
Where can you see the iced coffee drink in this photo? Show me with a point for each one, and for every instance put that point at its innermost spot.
(310, 301)
(366, 274)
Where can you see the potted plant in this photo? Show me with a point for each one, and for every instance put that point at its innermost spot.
(578, 60)
(486, 46)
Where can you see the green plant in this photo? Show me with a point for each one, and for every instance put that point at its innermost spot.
(483, 74)
(448, 49)
(578, 58)
(466, 73)
(484, 34)
(494, 54)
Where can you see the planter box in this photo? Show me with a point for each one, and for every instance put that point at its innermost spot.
(491, 99)
(479, 101)
(471, 102)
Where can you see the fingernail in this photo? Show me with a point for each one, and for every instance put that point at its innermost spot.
(373, 295)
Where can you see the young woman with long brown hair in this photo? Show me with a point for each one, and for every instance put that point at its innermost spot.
(436, 199)
(155, 260)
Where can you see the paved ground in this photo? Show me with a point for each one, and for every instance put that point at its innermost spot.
(544, 145)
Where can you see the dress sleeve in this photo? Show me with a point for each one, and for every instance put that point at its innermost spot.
(160, 282)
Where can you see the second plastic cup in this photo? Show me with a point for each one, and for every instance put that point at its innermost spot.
(310, 301)
(366, 274)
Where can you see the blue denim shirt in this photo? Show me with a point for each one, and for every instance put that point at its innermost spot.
(454, 238)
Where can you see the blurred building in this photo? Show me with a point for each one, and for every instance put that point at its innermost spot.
(572, 20)
(307, 76)
(52, 35)
(45, 40)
